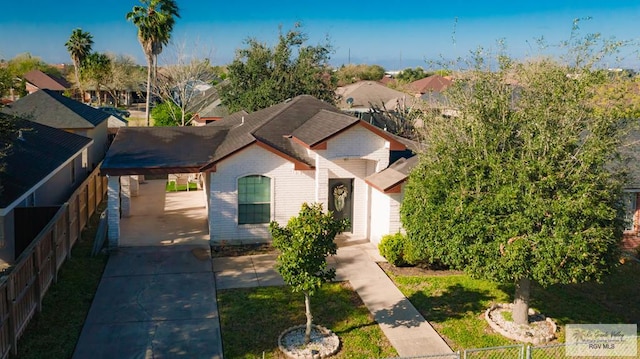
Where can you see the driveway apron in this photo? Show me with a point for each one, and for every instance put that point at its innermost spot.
(154, 302)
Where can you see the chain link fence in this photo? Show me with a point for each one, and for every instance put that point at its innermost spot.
(551, 351)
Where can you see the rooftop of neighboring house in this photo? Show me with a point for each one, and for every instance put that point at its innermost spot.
(53, 109)
(364, 94)
(288, 129)
(36, 152)
(434, 83)
(42, 80)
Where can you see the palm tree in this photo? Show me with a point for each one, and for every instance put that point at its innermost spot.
(79, 47)
(155, 20)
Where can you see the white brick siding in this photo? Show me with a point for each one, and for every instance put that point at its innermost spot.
(380, 213)
(289, 189)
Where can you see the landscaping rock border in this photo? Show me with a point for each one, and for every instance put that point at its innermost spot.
(540, 330)
(324, 343)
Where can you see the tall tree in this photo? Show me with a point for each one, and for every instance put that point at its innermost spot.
(520, 186)
(261, 76)
(79, 47)
(155, 20)
(304, 245)
(184, 83)
(124, 75)
(96, 69)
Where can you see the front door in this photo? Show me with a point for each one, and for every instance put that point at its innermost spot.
(341, 199)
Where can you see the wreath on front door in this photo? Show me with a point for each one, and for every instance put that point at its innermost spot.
(340, 193)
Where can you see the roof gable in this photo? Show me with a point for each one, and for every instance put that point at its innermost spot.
(42, 80)
(53, 109)
(435, 83)
(31, 159)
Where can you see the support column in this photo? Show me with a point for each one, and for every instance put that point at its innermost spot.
(113, 211)
(322, 182)
(125, 196)
(135, 186)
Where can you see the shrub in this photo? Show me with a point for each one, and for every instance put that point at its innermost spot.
(392, 247)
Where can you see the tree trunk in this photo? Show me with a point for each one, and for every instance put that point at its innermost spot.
(520, 310)
(307, 305)
(149, 69)
(77, 71)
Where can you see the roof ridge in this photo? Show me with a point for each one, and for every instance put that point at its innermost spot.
(66, 101)
(286, 104)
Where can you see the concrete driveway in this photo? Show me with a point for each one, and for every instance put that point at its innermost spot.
(154, 302)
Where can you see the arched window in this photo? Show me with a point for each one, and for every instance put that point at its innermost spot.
(254, 199)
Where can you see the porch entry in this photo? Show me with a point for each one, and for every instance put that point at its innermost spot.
(341, 199)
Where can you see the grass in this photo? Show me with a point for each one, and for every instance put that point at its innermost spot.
(455, 304)
(171, 187)
(53, 333)
(252, 319)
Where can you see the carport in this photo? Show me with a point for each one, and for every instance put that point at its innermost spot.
(140, 210)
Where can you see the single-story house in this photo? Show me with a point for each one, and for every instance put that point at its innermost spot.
(433, 83)
(42, 168)
(262, 166)
(55, 110)
(38, 80)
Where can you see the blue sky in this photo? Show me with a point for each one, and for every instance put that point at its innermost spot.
(392, 34)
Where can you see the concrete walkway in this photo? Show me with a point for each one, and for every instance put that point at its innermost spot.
(154, 302)
(409, 333)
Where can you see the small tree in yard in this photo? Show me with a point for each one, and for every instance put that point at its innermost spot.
(304, 245)
(522, 185)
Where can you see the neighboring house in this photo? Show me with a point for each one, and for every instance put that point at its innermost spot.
(41, 170)
(434, 83)
(52, 109)
(207, 107)
(125, 96)
(359, 97)
(262, 166)
(38, 80)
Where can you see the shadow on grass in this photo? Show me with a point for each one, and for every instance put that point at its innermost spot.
(253, 318)
(612, 301)
(453, 302)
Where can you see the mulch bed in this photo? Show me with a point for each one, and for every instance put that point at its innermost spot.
(415, 270)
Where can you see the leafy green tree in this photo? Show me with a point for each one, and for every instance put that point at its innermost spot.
(23, 63)
(353, 73)
(261, 76)
(304, 245)
(520, 186)
(409, 75)
(123, 74)
(155, 20)
(79, 47)
(96, 70)
(167, 114)
(6, 81)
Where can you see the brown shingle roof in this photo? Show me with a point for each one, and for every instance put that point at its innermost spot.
(287, 129)
(140, 150)
(393, 175)
(53, 109)
(435, 83)
(366, 93)
(44, 81)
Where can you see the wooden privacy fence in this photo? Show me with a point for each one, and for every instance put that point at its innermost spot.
(24, 287)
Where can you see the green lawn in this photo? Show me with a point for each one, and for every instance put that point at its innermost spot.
(171, 187)
(252, 319)
(54, 332)
(455, 304)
